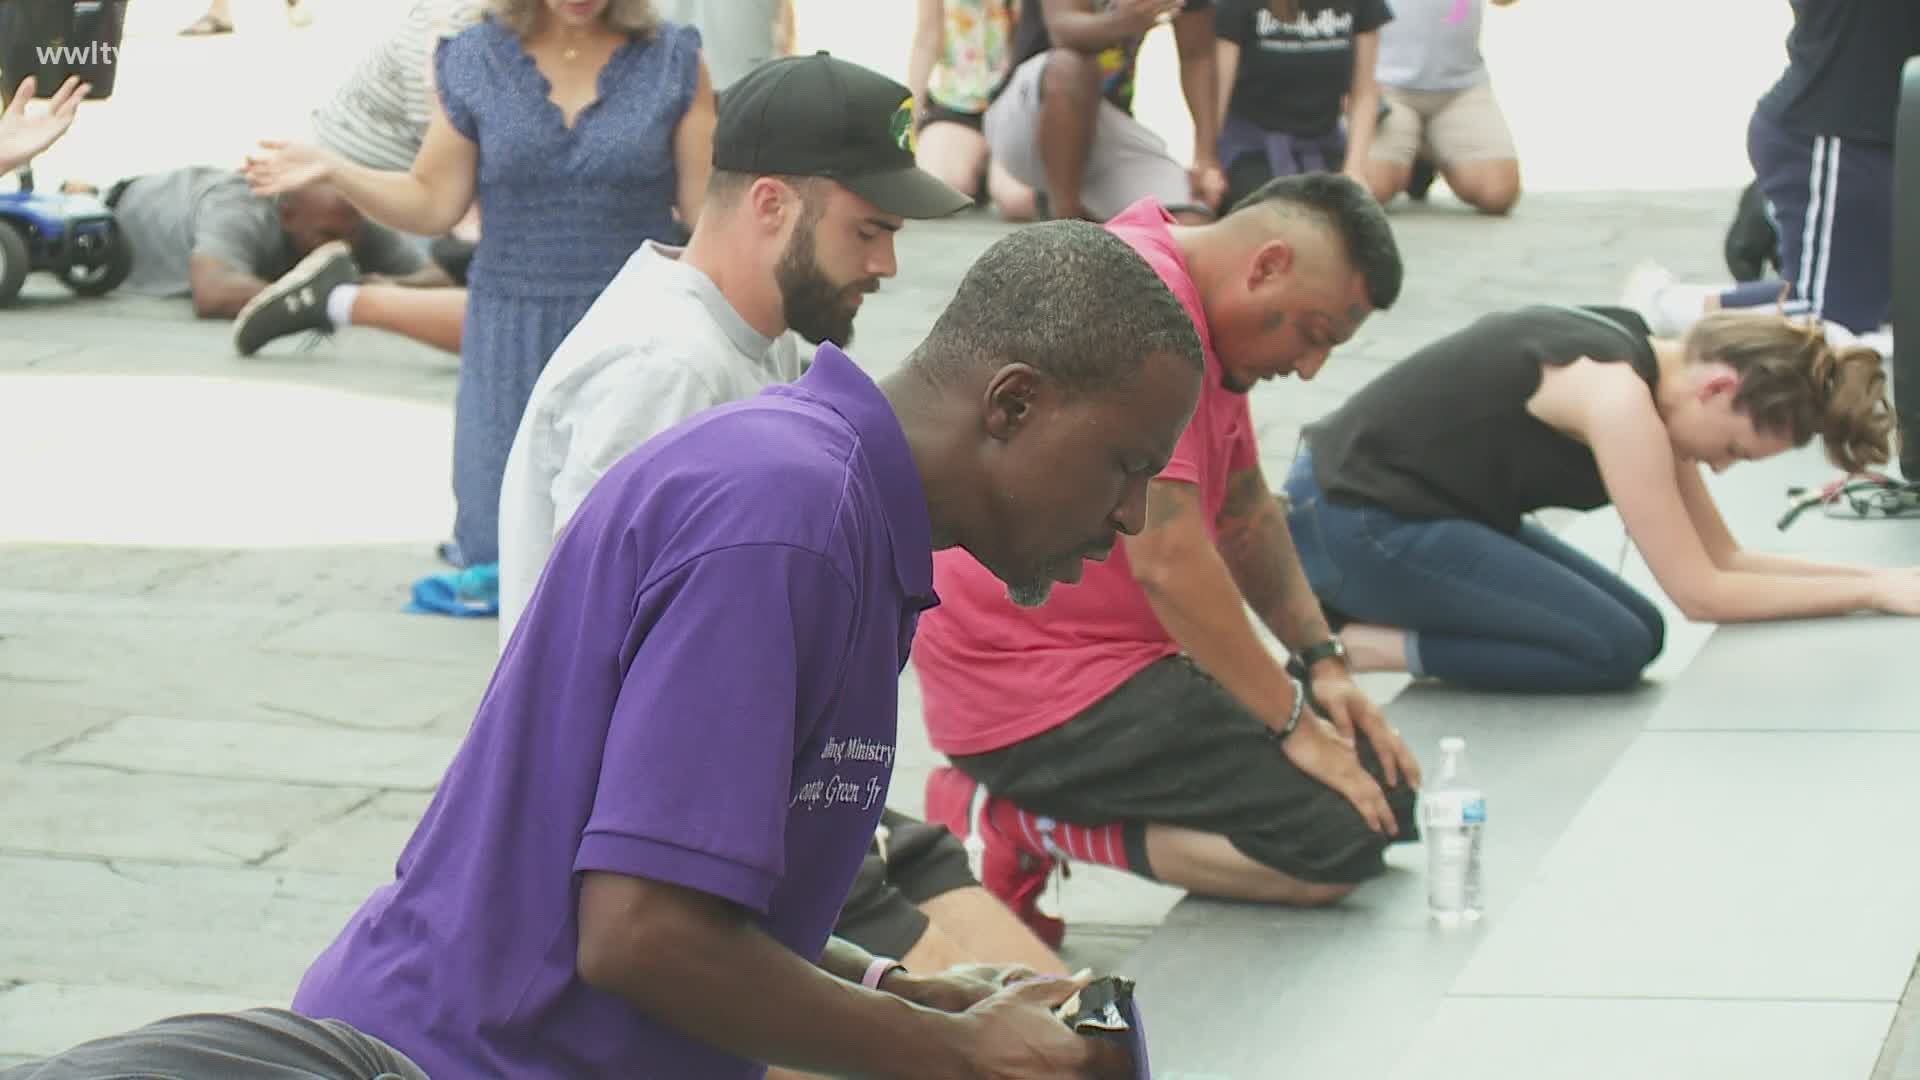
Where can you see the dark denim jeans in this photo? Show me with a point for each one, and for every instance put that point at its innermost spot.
(1481, 608)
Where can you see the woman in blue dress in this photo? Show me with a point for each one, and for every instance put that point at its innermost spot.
(580, 126)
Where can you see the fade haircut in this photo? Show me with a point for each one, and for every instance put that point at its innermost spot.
(1067, 298)
(1351, 211)
(727, 187)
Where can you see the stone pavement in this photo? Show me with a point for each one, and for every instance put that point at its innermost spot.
(216, 728)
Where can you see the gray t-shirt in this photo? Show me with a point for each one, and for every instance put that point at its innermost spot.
(736, 36)
(170, 217)
(1432, 45)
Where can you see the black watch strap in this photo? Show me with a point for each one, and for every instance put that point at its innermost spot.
(1316, 653)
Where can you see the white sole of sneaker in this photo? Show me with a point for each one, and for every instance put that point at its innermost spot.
(302, 273)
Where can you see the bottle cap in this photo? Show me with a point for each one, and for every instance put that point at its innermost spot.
(1452, 744)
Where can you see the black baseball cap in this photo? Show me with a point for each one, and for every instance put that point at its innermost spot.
(819, 115)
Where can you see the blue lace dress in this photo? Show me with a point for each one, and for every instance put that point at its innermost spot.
(561, 209)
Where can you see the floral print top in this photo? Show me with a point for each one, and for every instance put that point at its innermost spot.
(977, 55)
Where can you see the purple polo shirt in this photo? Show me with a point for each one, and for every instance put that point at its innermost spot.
(702, 691)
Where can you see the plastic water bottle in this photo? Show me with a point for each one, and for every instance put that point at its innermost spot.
(1455, 816)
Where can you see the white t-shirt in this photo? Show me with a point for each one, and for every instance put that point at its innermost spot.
(658, 345)
(1432, 45)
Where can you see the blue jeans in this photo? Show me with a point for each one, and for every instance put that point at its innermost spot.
(1481, 608)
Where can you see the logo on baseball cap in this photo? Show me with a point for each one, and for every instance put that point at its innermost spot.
(822, 116)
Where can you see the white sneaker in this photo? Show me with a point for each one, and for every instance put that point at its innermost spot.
(1642, 292)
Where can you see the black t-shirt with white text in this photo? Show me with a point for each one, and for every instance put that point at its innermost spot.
(1843, 68)
(1030, 39)
(1294, 74)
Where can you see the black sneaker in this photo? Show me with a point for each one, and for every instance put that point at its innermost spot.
(1422, 179)
(297, 302)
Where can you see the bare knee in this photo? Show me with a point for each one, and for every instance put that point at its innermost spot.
(1071, 77)
(953, 153)
(1387, 179)
(1491, 187)
(1015, 200)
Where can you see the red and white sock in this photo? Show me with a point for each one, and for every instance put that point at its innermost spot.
(1104, 845)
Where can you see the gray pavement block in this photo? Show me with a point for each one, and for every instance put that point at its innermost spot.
(296, 754)
(1587, 1039)
(1781, 677)
(117, 666)
(365, 841)
(33, 725)
(240, 931)
(125, 812)
(1900, 1057)
(1710, 865)
(344, 579)
(1268, 996)
(41, 1019)
(1250, 991)
(467, 643)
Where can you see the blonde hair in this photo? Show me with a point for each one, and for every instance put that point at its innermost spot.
(1794, 382)
(634, 17)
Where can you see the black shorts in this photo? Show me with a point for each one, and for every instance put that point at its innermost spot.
(936, 113)
(1172, 747)
(917, 862)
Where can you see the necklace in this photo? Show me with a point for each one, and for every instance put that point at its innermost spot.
(570, 54)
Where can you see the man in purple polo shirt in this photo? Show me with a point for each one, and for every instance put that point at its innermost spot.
(634, 863)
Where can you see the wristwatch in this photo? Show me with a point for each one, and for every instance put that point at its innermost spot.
(1328, 649)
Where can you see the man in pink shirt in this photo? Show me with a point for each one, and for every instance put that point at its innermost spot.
(1136, 719)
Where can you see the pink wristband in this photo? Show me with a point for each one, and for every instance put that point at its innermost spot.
(878, 970)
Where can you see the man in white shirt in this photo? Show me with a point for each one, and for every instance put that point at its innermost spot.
(797, 228)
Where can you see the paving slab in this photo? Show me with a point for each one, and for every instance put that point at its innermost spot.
(1315, 985)
(124, 812)
(1900, 1057)
(1576, 1039)
(318, 487)
(464, 643)
(365, 841)
(47, 1018)
(30, 725)
(249, 933)
(125, 669)
(1724, 865)
(289, 753)
(1777, 677)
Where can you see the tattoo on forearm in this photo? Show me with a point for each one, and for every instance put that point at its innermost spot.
(1250, 525)
(1167, 503)
(1258, 549)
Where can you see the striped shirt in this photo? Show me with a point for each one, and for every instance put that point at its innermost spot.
(378, 117)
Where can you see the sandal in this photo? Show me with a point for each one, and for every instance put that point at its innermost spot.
(206, 26)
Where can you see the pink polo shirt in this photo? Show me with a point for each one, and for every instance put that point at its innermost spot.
(994, 674)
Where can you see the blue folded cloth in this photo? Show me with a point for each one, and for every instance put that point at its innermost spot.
(474, 591)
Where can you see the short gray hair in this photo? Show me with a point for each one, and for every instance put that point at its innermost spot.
(1067, 298)
(634, 17)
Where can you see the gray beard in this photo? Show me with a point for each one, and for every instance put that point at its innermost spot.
(1030, 596)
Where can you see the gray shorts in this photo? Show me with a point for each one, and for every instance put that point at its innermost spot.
(258, 1044)
(1126, 164)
